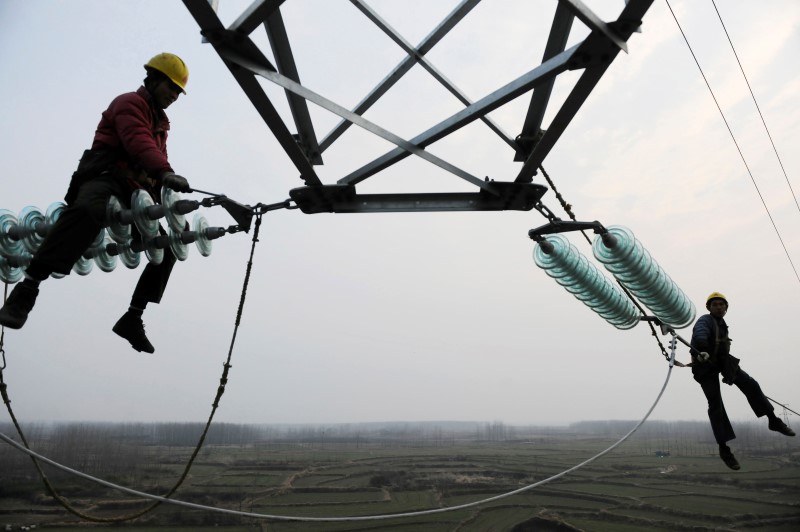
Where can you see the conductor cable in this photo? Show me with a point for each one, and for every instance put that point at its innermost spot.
(177, 502)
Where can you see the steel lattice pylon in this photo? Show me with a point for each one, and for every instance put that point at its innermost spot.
(593, 55)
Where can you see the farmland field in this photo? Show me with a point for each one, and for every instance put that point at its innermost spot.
(337, 476)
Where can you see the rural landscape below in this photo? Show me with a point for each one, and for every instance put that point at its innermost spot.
(667, 476)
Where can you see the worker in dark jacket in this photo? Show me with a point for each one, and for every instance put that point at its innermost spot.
(129, 152)
(710, 358)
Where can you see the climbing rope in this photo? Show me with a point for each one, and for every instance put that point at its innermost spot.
(3, 336)
(176, 502)
(158, 499)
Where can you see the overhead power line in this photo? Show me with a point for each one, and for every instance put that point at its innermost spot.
(780, 162)
(730, 131)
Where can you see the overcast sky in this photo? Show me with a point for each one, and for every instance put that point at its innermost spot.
(412, 317)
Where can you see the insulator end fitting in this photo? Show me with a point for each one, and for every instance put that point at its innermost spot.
(546, 246)
(609, 240)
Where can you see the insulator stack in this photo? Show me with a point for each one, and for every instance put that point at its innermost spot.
(625, 257)
(572, 270)
(10, 269)
(21, 236)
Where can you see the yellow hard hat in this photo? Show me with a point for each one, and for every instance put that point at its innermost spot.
(716, 295)
(171, 66)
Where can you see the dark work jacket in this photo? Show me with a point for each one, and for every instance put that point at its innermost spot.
(711, 335)
(130, 141)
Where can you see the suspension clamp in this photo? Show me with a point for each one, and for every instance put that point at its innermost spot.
(561, 226)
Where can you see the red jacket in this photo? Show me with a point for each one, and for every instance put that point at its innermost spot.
(133, 126)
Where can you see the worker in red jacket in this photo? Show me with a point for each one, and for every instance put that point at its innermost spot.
(129, 152)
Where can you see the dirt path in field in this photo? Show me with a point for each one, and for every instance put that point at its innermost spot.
(288, 482)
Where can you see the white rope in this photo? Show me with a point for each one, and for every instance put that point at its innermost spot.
(176, 502)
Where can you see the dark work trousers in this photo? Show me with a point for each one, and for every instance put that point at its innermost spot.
(720, 424)
(79, 225)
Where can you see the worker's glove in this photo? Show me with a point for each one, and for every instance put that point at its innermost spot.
(702, 356)
(176, 182)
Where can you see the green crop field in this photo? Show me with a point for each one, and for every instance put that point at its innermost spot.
(340, 479)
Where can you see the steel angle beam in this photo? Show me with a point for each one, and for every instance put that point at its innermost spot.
(547, 70)
(284, 60)
(556, 43)
(432, 70)
(400, 70)
(595, 54)
(224, 40)
(345, 199)
(563, 117)
(595, 23)
(291, 85)
(254, 15)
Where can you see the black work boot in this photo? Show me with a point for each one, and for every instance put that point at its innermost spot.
(131, 327)
(727, 457)
(777, 425)
(15, 312)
